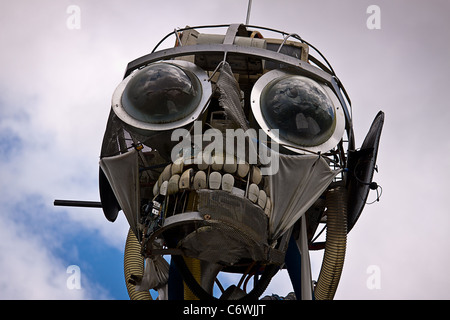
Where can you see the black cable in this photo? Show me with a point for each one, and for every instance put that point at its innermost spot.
(378, 195)
(372, 185)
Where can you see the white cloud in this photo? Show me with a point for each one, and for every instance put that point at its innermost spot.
(54, 121)
(30, 271)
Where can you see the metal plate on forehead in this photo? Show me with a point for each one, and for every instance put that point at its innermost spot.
(229, 49)
(255, 100)
(119, 110)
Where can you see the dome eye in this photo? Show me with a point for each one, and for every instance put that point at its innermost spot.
(162, 96)
(161, 93)
(297, 112)
(300, 109)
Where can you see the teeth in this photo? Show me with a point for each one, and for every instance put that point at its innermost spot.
(202, 164)
(177, 166)
(262, 198)
(163, 188)
(242, 169)
(200, 180)
(215, 180)
(256, 175)
(253, 193)
(268, 208)
(165, 175)
(186, 179)
(227, 182)
(173, 179)
(172, 187)
(230, 167)
(156, 189)
(238, 192)
(217, 163)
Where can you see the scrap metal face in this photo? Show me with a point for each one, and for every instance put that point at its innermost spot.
(184, 185)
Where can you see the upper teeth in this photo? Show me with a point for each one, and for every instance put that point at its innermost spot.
(177, 166)
(256, 175)
(218, 162)
(180, 176)
(242, 169)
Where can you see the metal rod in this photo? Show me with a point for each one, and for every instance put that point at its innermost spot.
(178, 37)
(76, 203)
(248, 11)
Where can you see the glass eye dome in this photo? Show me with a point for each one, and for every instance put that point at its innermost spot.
(300, 109)
(162, 93)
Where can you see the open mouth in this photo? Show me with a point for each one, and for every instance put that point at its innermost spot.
(239, 179)
(213, 202)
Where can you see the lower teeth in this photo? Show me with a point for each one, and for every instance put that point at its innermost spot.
(215, 180)
(200, 180)
(227, 182)
(253, 193)
(186, 179)
(173, 188)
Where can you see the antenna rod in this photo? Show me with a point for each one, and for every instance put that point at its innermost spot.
(248, 11)
(76, 203)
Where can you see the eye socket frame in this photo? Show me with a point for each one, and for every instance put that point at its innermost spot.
(255, 102)
(206, 91)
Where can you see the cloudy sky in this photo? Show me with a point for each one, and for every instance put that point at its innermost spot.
(56, 84)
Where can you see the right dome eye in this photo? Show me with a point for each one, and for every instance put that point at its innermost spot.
(300, 109)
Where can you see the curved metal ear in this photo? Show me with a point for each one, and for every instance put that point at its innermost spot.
(361, 166)
(109, 201)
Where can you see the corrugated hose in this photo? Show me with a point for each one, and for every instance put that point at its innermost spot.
(335, 246)
(134, 267)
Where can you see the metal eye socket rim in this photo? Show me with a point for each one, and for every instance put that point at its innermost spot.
(202, 78)
(255, 101)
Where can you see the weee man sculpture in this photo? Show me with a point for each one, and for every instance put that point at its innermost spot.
(227, 152)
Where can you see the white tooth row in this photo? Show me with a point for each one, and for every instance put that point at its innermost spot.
(217, 164)
(173, 179)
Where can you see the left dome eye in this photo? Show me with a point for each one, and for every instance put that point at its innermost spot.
(162, 93)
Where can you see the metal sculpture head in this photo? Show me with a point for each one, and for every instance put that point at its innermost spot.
(227, 152)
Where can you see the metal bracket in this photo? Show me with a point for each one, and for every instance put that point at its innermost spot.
(231, 34)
